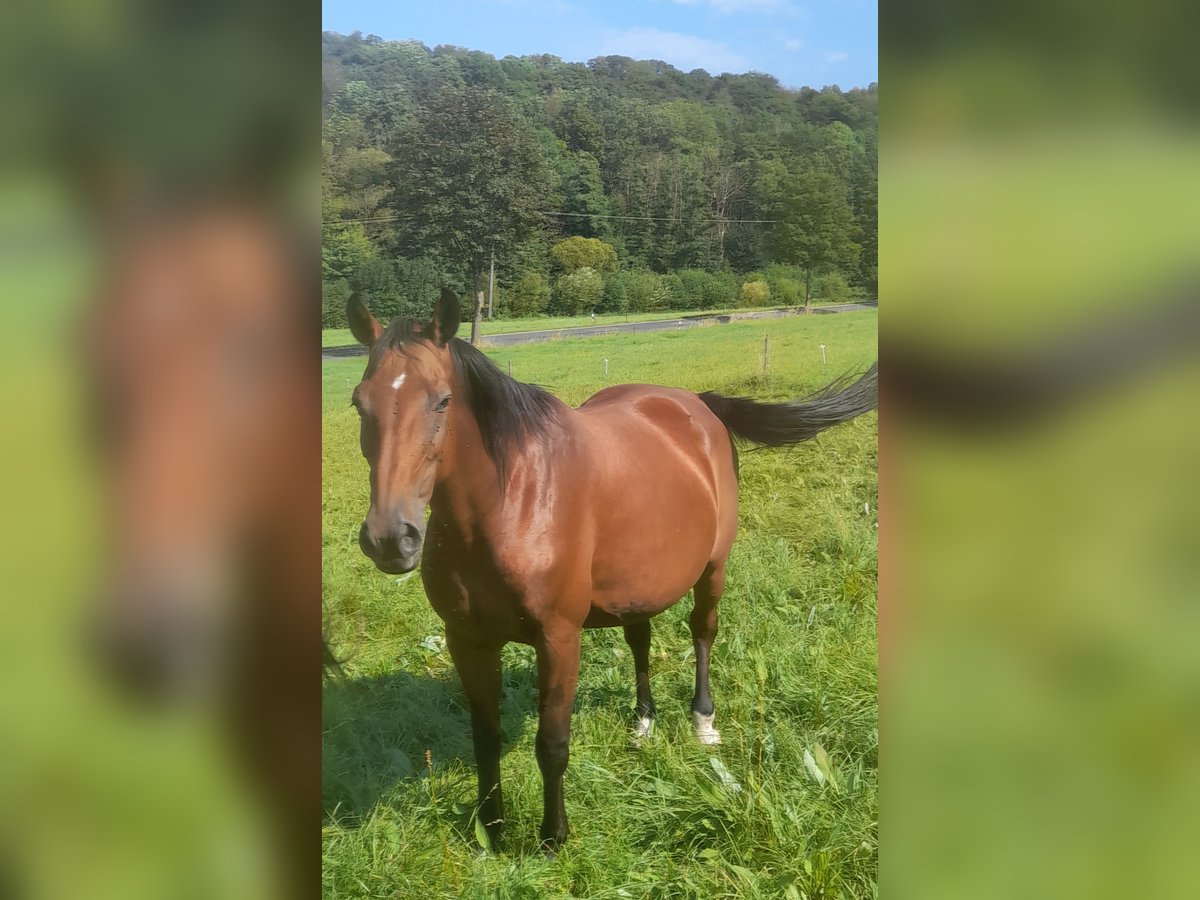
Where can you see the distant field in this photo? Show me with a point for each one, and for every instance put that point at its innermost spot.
(340, 337)
(794, 673)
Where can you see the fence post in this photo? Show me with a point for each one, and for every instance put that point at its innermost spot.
(766, 357)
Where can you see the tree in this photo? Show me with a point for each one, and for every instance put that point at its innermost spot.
(467, 182)
(579, 252)
(816, 229)
(442, 155)
(344, 250)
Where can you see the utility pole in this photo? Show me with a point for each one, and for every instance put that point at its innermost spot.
(491, 282)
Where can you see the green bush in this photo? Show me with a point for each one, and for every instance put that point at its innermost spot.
(334, 295)
(646, 292)
(788, 292)
(577, 253)
(578, 292)
(786, 283)
(674, 296)
(754, 293)
(831, 286)
(529, 296)
(721, 291)
(615, 298)
(705, 290)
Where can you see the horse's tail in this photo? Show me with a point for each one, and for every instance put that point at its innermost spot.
(777, 424)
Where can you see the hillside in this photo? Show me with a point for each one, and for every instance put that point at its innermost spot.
(436, 160)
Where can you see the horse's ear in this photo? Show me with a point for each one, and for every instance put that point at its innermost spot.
(364, 326)
(446, 317)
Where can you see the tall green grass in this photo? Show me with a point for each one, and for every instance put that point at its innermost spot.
(786, 807)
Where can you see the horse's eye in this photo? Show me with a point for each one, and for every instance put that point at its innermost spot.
(442, 404)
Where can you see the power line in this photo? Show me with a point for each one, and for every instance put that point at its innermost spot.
(660, 218)
(333, 222)
(545, 212)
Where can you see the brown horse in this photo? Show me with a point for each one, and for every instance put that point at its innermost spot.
(200, 365)
(546, 520)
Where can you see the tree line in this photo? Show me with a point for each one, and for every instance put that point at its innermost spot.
(614, 185)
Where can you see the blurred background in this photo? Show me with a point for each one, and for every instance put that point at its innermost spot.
(158, 236)
(1040, 222)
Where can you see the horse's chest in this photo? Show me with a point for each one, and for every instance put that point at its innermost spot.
(474, 597)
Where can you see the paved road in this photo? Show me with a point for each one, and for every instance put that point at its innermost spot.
(532, 337)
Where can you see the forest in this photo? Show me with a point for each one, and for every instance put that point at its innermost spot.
(616, 185)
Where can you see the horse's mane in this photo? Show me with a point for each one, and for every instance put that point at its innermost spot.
(507, 411)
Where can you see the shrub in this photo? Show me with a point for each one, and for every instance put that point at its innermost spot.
(674, 295)
(529, 296)
(334, 295)
(786, 283)
(831, 286)
(788, 291)
(615, 297)
(694, 288)
(721, 291)
(754, 293)
(577, 253)
(646, 292)
(579, 291)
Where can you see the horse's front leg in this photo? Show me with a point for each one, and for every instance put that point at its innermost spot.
(558, 674)
(478, 667)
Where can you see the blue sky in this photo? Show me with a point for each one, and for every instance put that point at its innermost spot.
(800, 43)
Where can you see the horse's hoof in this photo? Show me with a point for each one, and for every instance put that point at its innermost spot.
(702, 727)
(643, 730)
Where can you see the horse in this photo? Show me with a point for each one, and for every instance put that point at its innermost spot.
(198, 362)
(545, 520)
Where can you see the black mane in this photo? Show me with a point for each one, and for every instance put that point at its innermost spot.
(506, 410)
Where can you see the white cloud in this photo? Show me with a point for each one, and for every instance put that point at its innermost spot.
(683, 51)
(735, 6)
(793, 43)
(836, 57)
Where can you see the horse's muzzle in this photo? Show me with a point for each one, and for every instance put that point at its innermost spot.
(395, 550)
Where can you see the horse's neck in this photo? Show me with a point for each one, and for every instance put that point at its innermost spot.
(468, 482)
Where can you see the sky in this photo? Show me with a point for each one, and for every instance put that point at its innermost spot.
(812, 43)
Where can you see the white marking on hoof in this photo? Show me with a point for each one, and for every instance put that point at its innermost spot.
(644, 728)
(399, 381)
(702, 727)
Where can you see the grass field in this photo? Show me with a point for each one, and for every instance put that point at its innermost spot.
(786, 807)
(340, 337)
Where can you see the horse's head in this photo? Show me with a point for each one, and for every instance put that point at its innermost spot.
(403, 402)
(192, 364)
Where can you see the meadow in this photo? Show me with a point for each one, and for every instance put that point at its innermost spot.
(341, 337)
(786, 807)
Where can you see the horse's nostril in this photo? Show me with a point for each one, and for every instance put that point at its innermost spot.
(366, 541)
(411, 541)
(399, 544)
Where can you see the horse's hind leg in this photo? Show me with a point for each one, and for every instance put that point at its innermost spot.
(707, 592)
(637, 636)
